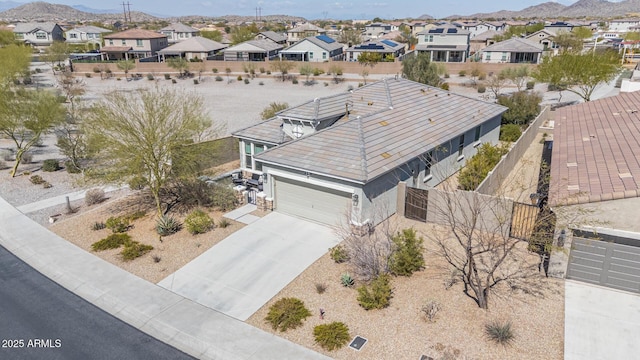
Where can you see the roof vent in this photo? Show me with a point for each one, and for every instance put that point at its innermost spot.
(625, 175)
(316, 99)
(384, 123)
(385, 155)
(370, 103)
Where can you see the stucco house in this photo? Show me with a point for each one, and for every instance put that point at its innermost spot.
(303, 31)
(481, 41)
(343, 156)
(623, 25)
(514, 51)
(252, 50)
(445, 43)
(198, 47)
(133, 43)
(382, 47)
(314, 49)
(38, 35)
(544, 38)
(375, 30)
(86, 35)
(179, 32)
(272, 36)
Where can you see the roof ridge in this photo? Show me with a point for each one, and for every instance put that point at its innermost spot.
(363, 153)
(388, 92)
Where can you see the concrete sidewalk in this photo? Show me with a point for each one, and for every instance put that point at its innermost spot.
(182, 323)
(60, 199)
(244, 271)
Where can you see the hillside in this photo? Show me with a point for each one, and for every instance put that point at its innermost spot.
(42, 11)
(581, 8)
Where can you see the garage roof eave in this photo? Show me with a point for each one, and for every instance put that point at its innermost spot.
(359, 182)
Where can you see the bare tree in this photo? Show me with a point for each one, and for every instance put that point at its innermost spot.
(282, 66)
(496, 83)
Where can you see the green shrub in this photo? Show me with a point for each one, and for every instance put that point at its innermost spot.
(499, 332)
(246, 81)
(444, 86)
(167, 77)
(137, 183)
(136, 215)
(462, 73)
(27, 158)
(98, 225)
(239, 78)
(112, 241)
(446, 75)
(196, 82)
(406, 257)
(117, 224)
(523, 107)
(331, 336)
(219, 78)
(268, 72)
(530, 85)
(320, 288)
(287, 313)
(167, 225)
(71, 167)
(510, 132)
(317, 71)
(377, 294)
(214, 70)
(482, 89)
(87, 75)
(262, 70)
(223, 198)
(339, 254)
(150, 77)
(223, 223)
(482, 76)
(133, 250)
(347, 280)
(51, 165)
(198, 222)
(477, 168)
(37, 180)
(173, 81)
(294, 81)
(94, 196)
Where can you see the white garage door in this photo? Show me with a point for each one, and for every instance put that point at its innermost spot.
(324, 205)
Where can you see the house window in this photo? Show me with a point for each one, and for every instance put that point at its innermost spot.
(310, 55)
(324, 55)
(428, 38)
(19, 36)
(476, 137)
(91, 36)
(139, 43)
(181, 35)
(460, 145)
(247, 155)
(73, 36)
(41, 35)
(428, 162)
(504, 56)
(124, 42)
(487, 56)
(249, 152)
(110, 42)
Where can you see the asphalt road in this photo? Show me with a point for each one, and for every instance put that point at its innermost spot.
(39, 319)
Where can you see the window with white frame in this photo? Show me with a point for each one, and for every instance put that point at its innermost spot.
(73, 36)
(476, 137)
(139, 43)
(428, 162)
(428, 38)
(504, 56)
(461, 145)
(310, 55)
(250, 150)
(110, 42)
(124, 42)
(41, 35)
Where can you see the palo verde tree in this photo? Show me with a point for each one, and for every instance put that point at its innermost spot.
(579, 73)
(282, 66)
(517, 75)
(273, 108)
(420, 68)
(145, 135)
(126, 66)
(56, 54)
(215, 35)
(180, 64)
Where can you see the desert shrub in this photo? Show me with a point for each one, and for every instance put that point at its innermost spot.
(239, 78)
(462, 73)
(482, 89)
(406, 256)
(317, 71)
(173, 81)
(430, 309)
(196, 82)
(27, 158)
(223, 198)
(347, 280)
(499, 332)
(331, 336)
(156, 258)
(117, 224)
(530, 85)
(268, 72)
(219, 78)
(51, 165)
(446, 75)
(137, 183)
(377, 294)
(320, 288)
(198, 222)
(287, 313)
(452, 279)
(167, 77)
(223, 223)
(214, 70)
(477, 168)
(261, 83)
(523, 107)
(150, 77)
(326, 84)
(133, 250)
(98, 225)
(96, 70)
(47, 185)
(246, 81)
(510, 132)
(136, 215)
(339, 254)
(37, 180)
(87, 75)
(7, 155)
(262, 70)
(71, 167)
(167, 225)
(94, 196)
(112, 241)
(482, 76)
(444, 86)
(294, 81)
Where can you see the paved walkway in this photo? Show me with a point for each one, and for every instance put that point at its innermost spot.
(171, 318)
(242, 214)
(60, 199)
(242, 272)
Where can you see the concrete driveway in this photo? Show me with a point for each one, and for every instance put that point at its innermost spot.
(242, 272)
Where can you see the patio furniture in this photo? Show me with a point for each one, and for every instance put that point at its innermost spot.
(237, 179)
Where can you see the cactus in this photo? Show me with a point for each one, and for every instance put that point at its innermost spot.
(347, 280)
(167, 225)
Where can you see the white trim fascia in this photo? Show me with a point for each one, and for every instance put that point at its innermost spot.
(310, 172)
(312, 181)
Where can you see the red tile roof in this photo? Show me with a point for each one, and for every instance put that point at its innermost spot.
(135, 34)
(596, 151)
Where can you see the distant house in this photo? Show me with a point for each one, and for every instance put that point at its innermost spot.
(474, 28)
(86, 35)
(342, 156)
(38, 34)
(514, 50)
(133, 43)
(544, 38)
(495, 25)
(179, 32)
(476, 44)
(252, 50)
(622, 25)
(195, 48)
(386, 48)
(314, 49)
(445, 43)
(272, 36)
(559, 26)
(376, 30)
(303, 31)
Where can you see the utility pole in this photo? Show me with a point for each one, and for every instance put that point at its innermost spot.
(126, 8)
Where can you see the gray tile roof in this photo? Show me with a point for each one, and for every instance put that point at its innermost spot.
(307, 27)
(431, 47)
(194, 44)
(515, 45)
(268, 131)
(179, 28)
(266, 45)
(392, 122)
(329, 46)
(33, 26)
(274, 36)
(91, 29)
(595, 151)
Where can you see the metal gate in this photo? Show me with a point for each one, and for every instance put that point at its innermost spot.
(415, 204)
(523, 220)
(251, 196)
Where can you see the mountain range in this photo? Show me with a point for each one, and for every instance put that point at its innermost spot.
(581, 8)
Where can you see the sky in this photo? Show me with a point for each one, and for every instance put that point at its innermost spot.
(314, 9)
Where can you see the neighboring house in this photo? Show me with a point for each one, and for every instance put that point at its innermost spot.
(481, 41)
(473, 27)
(342, 157)
(273, 36)
(445, 43)
(559, 26)
(622, 25)
(303, 31)
(179, 32)
(314, 49)
(386, 48)
(86, 35)
(195, 48)
(252, 50)
(38, 34)
(514, 51)
(376, 30)
(133, 44)
(499, 26)
(544, 38)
